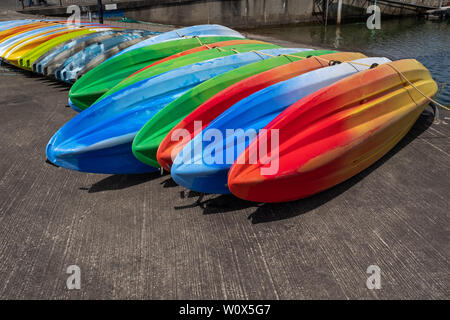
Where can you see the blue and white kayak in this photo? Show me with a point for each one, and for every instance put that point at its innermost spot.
(99, 139)
(70, 68)
(203, 164)
(199, 30)
(69, 46)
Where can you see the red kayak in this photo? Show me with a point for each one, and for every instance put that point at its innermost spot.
(216, 105)
(333, 134)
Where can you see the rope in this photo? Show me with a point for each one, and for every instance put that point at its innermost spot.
(201, 43)
(366, 65)
(418, 90)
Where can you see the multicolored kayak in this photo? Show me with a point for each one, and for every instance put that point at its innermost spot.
(187, 60)
(110, 73)
(203, 164)
(99, 59)
(99, 139)
(27, 60)
(333, 134)
(5, 25)
(199, 30)
(12, 40)
(47, 63)
(21, 29)
(69, 70)
(19, 50)
(147, 141)
(213, 107)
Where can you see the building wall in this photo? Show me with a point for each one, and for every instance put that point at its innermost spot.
(251, 13)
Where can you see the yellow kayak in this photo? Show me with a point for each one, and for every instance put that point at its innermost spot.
(23, 47)
(27, 60)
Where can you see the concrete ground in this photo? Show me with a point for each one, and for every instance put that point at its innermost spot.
(142, 236)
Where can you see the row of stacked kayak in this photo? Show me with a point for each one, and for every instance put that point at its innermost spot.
(227, 114)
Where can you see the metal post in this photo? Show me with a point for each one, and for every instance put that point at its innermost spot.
(326, 12)
(100, 11)
(339, 11)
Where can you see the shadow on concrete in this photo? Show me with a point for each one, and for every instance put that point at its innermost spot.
(278, 211)
(63, 86)
(268, 212)
(121, 181)
(169, 183)
(12, 69)
(51, 82)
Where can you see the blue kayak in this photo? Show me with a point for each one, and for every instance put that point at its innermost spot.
(99, 139)
(203, 164)
(41, 64)
(68, 71)
(199, 30)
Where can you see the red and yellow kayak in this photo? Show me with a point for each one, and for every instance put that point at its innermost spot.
(333, 134)
(216, 105)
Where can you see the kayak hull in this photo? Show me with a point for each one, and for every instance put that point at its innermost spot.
(285, 68)
(110, 73)
(335, 133)
(114, 121)
(203, 164)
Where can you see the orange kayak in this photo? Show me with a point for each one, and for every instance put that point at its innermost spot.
(333, 134)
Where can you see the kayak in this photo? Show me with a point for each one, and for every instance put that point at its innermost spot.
(198, 30)
(147, 141)
(8, 43)
(58, 60)
(106, 55)
(69, 70)
(13, 55)
(333, 134)
(21, 29)
(17, 23)
(53, 58)
(27, 60)
(104, 77)
(99, 139)
(217, 104)
(186, 60)
(203, 165)
(200, 48)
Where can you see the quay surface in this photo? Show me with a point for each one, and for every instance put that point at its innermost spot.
(142, 236)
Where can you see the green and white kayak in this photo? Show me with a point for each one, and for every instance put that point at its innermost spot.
(105, 76)
(75, 96)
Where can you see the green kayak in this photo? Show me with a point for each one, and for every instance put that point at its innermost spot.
(187, 60)
(104, 77)
(26, 62)
(155, 130)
